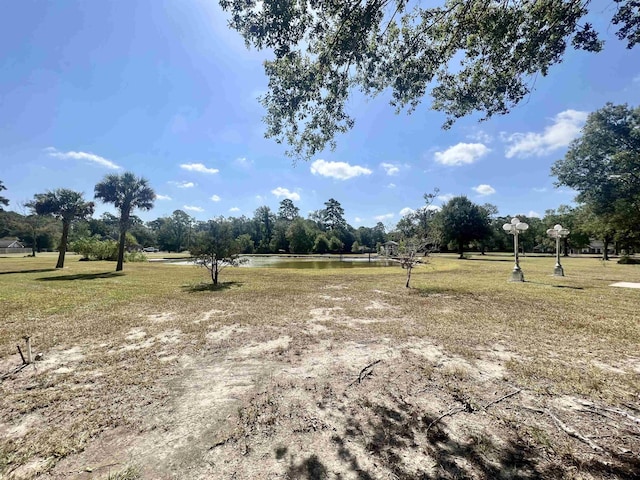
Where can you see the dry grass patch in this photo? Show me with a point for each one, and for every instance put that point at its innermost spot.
(467, 376)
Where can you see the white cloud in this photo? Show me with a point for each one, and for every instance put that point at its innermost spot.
(540, 190)
(260, 198)
(285, 193)
(86, 156)
(163, 197)
(191, 208)
(445, 197)
(234, 209)
(382, 218)
(243, 162)
(484, 189)
(406, 211)
(533, 214)
(565, 128)
(636, 79)
(391, 185)
(183, 184)
(480, 136)
(461, 154)
(357, 220)
(339, 170)
(198, 167)
(215, 198)
(390, 168)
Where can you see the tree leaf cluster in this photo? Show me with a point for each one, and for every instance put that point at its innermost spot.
(470, 55)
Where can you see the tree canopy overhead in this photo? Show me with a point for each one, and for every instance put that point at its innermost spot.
(476, 55)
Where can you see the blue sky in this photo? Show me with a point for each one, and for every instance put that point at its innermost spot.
(164, 89)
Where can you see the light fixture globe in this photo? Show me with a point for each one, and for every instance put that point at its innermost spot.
(522, 226)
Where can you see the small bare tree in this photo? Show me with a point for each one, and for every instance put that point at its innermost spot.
(415, 250)
(215, 248)
(410, 255)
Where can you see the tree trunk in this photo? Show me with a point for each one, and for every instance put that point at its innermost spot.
(214, 271)
(63, 244)
(605, 249)
(123, 237)
(34, 246)
(460, 250)
(565, 240)
(408, 276)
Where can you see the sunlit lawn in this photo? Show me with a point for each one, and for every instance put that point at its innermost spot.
(570, 335)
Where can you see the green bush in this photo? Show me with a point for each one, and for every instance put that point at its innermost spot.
(135, 257)
(91, 248)
(626, 260)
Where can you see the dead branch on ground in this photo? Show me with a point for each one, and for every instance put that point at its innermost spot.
(365, 372)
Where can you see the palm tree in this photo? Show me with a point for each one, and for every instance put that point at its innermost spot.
(127, 193)
(65, 205)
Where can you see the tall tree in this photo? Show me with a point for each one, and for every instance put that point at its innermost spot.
(3, 200)
(126, 192)
(65, 205)
(603, 165)
(264, 220)
(175, 233)
(333, 215)
(326, 50)
(300, 236)
(462, 221)
(288, 211)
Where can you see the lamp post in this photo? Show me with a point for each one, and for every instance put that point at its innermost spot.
(514, 228)
(558, 232)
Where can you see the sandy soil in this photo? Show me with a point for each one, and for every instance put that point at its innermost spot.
(322, 399)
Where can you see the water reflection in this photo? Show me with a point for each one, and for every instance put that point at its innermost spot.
(307, 262)
(316, 262)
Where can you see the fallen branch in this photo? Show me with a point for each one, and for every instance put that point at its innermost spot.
(13, 372)
(504, 397)
(573, 433)
(567, 429)
(617, 411)
(365, 372)
(450, 413)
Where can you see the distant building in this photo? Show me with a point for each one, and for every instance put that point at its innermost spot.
(12, 245)
(389, 249)
(596, 247)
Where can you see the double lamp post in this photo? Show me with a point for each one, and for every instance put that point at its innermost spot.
(515, 227)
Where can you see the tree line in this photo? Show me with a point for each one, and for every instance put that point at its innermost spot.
(602, 165)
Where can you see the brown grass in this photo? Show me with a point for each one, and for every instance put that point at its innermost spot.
(150, 368)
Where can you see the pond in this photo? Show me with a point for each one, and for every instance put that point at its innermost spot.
(317, 262)
(311, 262)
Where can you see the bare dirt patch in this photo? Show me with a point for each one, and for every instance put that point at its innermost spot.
(276, 378)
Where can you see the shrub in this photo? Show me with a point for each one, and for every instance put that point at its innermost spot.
(626, 260)
(135, 257)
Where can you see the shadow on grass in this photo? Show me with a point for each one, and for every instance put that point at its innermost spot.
(210, 287)
(553, 286)
(82, 276)
(38, 270)
(489, 259)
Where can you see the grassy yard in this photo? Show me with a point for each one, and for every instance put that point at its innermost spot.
(335, 373)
